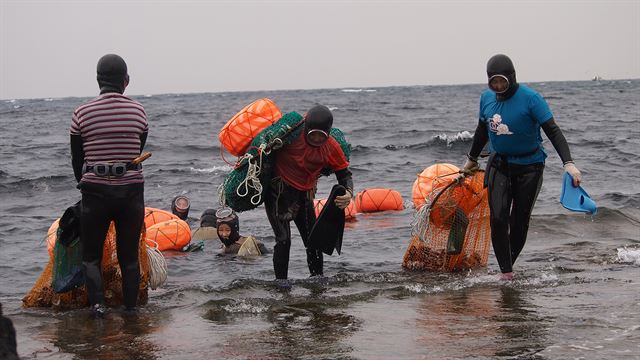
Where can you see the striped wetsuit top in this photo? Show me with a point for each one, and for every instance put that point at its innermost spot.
(110, 126)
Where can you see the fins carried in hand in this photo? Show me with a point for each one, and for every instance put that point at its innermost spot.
(459, 224)
(326, 234)
(575, 198)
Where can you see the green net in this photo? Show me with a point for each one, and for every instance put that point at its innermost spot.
(67, 268)
(243, 186)
(344, 145)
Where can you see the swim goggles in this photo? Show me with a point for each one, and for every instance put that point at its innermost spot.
(492, 83)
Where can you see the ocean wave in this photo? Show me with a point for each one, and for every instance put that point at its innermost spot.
(42, 182)
(621, 199)
(436, 140)
(628, 256)
(358, 90)
(459, 137)
(223, 168)
(605, 215)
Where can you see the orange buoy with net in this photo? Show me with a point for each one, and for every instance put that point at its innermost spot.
(453, 231)
(172, 234)
(462, 196)
(433, 177)
(236, 135)
(349, 211)
(154, 216)
(374, 200)
(43, 295)
(51, 236)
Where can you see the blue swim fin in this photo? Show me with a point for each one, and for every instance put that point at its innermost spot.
(575, 198)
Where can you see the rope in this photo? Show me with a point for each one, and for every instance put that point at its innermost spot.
(252, 180)
(157, 266)
(221, 198)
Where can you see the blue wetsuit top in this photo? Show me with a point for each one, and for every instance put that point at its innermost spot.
(514, 124)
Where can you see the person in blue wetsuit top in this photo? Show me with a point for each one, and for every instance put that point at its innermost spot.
(510, 119)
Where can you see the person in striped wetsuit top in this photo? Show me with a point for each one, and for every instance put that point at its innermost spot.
(107, 133)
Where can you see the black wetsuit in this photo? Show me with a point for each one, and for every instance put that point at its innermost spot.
(97, 125)
(284, 203)
(290, 196)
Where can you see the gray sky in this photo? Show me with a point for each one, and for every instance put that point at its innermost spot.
(50, 48)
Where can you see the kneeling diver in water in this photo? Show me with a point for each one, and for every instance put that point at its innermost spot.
(228, 229)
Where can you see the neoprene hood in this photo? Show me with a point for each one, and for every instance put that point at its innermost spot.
(318, 117)
(501, 65)
(234, 223)
(112, 74)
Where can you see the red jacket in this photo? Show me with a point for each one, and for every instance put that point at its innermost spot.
(299, 164)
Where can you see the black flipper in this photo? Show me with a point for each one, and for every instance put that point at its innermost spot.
(457, 232)
(326, 234)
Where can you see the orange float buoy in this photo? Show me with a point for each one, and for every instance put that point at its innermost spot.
(374, 200)
(51, 236)
(172, 234)
(452, 199)
(463, 196)
(469, 195)
(236, 135)
(433, 177)
(154, 216)
(349, 211)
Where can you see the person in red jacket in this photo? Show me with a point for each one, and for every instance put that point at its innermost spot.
(290, 196)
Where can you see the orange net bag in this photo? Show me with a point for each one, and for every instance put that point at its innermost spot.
(42, 294)
(451, 232)
(238, 133)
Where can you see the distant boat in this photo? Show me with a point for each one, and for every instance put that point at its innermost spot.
(596, 78)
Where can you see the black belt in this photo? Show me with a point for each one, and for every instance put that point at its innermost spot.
(111, 169)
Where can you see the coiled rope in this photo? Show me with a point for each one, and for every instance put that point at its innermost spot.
(157, 266)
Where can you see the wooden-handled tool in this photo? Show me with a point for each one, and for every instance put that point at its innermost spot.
(141, 158)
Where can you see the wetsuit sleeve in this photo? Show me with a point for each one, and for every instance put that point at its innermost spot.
(143, 140)
(553, 132)
(480, 139)
(77, 156)
(345, 179)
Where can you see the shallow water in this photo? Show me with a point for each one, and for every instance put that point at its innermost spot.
(576, 293)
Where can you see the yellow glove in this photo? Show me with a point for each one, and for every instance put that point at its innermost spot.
(571, 168)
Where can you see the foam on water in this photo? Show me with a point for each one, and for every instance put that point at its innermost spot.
(223, 168)
(630, 256)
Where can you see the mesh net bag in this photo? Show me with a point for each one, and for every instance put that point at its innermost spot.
(42, 294)
(243, 186)
(452, 231)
